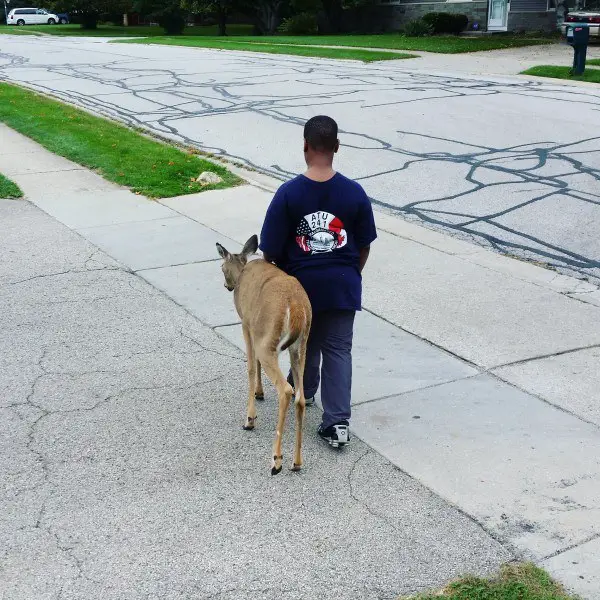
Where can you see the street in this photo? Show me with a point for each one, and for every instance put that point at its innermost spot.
(507, 163)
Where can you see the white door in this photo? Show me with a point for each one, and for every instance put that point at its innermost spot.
(498, 15)
(41, 16)
(30, 17)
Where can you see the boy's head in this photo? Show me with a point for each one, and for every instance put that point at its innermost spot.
(320, 140)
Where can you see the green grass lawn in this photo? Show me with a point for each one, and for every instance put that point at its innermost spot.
(446, 44)
(8, 189)
(592, 75)
(117, 153)
(256, 46)
(242, 33)
(118, 31)
(595, 62)
(515, 582)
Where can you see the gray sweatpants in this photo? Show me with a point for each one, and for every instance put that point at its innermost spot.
(329, 362)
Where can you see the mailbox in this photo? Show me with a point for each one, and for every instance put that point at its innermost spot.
(578, 36)
(581, 35)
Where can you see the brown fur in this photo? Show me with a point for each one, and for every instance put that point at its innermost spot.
(276, 316)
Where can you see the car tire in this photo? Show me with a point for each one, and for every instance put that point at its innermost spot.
(51, 22)
(63, 21)
(20, 22)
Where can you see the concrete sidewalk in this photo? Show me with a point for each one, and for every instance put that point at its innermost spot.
(475, 374)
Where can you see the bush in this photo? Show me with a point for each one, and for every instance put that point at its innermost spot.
(300, 24)
(442, 22)
(173, 23)
(417, 28)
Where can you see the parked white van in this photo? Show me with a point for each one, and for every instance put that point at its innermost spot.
(31, 16)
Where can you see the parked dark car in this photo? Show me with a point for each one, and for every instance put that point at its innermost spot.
(587, 14)
(589, 19)
(63, 18)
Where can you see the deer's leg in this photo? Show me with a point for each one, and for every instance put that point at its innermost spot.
(298, 360)
(252, 362)
(270, 364)
(259, 393)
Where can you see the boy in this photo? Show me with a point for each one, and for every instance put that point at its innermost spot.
(319, 228)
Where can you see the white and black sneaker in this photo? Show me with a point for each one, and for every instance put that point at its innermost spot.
(337, 436)
(307, 401)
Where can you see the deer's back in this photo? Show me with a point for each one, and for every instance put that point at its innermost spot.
(264, 293)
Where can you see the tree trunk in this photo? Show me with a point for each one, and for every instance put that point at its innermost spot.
(89, 21)
(222, 20)
(125, 20)
(268, 16)
(333, 11)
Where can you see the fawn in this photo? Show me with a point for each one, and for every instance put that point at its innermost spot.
(276, 316)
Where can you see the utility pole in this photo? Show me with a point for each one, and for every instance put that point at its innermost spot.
(6, 3)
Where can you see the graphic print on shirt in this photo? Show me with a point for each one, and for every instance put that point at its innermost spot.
(321, 232)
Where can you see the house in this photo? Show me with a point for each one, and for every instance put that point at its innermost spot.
(484, 15)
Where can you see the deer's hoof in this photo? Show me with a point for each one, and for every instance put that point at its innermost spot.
(275, 470)
(249, 426)
(259, 397)
(296, 467)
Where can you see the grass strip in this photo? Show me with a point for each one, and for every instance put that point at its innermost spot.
(445, 44)
(8, 189)
(119, 31)
(590, 75)
(442, 44)
(278, 48)
(514, 582)
(117, 153)
(595, 62)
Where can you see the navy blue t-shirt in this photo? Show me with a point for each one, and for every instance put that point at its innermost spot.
(314, 231)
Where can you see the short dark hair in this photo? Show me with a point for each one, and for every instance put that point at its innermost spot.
(321, 133)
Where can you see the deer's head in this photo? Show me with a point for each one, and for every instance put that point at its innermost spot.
(233, 264)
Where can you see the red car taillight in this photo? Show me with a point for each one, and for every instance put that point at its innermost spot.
(571, 19)
(594, 20)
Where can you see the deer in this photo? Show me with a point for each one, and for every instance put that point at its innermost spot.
(276, 315)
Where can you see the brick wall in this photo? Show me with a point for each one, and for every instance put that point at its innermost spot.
(394, 17)
(531, 21)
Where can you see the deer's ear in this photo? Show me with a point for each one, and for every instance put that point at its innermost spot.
(251, 246)
(223, 253)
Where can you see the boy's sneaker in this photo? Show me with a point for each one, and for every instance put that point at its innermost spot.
(337, 436)
(307, 401)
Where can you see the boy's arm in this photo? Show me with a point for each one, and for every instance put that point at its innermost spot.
(363, 257)
(366, 233)
(274, 233)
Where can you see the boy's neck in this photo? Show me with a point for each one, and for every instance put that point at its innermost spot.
(320, 173)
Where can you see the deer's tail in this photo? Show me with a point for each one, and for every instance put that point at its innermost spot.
(295, 323)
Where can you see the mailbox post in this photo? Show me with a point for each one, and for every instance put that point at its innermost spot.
(578, 36)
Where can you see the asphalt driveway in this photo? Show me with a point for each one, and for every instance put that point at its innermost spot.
(507, 163)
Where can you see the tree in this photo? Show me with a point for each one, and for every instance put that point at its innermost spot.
(221, 9)
(170, 14)
(334, 10)
(266, 14)
(89, 11)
